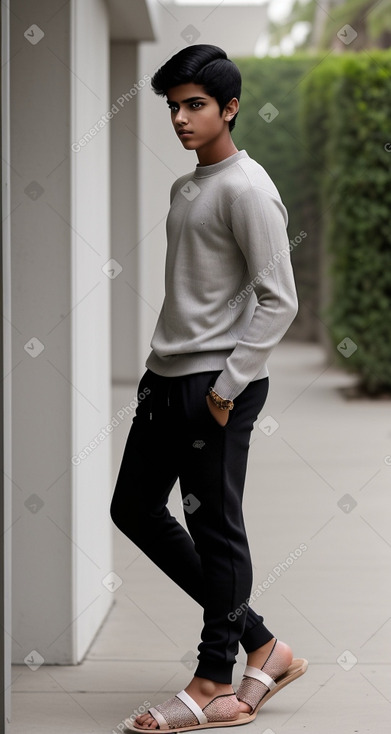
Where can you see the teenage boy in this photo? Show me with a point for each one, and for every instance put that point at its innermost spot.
(230, 297)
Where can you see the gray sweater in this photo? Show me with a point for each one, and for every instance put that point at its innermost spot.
(230, 291)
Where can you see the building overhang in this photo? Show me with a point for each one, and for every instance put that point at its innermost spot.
(133, 20)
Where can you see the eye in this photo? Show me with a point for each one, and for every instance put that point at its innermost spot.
(173, 107)
(196, 105)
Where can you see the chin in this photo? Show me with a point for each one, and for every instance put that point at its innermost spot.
(189, 143)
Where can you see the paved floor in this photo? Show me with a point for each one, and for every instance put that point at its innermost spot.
(318, 487)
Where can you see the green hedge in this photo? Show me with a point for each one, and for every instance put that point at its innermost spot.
(279, 147)
(326, 150)
(345, 114)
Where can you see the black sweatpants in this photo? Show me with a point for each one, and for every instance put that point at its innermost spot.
(174, 434)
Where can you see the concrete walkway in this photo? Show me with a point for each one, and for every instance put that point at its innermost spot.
(317, 504)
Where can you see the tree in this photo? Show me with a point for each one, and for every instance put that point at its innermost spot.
(370, 19)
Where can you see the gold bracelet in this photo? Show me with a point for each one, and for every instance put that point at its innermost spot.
(221, 403)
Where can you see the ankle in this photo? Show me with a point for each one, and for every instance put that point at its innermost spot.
(268, 646)
(209, 687)
(262, 652)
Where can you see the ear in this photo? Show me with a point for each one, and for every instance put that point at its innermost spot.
(231, 109)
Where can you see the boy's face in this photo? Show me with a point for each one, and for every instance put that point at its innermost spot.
(196, 116)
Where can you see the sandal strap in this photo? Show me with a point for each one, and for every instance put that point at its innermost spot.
(193, 706)
(159, 718)
(260, 675)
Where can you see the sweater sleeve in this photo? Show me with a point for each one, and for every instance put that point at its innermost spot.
(259, 222)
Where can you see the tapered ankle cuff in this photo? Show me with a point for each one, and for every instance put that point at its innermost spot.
(255, 637)
(220, 673)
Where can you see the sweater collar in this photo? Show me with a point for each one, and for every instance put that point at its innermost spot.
(203, 171)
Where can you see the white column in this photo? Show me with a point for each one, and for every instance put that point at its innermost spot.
(6, 388)
(61, 328)
(91, 320)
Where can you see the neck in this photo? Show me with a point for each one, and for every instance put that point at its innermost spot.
(216, 151)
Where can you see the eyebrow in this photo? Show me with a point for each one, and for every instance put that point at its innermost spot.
(190, 99)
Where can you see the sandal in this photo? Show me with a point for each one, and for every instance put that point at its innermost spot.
(259, 685)
(182, 713)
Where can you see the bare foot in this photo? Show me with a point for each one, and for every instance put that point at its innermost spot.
(257, 659)
(201, 690)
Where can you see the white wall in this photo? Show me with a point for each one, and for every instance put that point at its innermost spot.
(124, 211)
(40, 260)
(61, 297)
(161, 156)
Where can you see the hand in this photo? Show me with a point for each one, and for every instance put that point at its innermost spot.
(221, 416)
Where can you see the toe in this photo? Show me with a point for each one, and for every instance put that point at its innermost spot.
(146, 721)
(244, 708)
(142, 717)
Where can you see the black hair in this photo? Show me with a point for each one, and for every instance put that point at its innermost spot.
(201, 64)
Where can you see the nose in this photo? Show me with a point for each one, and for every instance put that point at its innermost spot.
(180, 117)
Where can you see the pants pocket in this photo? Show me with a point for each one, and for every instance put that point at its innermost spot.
(203, 381)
